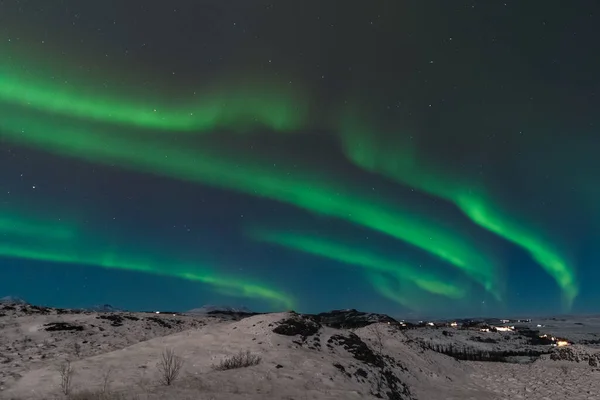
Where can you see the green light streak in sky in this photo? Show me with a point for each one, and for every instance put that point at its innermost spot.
(24, 227)
(74, 254)
(39, 240)
(309, 190)
(402, 163)
(493, 218)
(235, 106)
(404, 295)
(421, 277)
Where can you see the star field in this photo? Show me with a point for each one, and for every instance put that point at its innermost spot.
(402, 157)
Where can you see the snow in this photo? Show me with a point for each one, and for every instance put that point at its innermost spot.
(322, 362)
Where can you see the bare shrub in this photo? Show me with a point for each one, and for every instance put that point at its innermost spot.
(169, 367)
(66, 372)
(106, 375)
(242, 359)
(77, 349)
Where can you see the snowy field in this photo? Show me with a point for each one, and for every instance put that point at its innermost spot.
(117, 355)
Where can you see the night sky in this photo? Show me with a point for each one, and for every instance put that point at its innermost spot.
(414, 157)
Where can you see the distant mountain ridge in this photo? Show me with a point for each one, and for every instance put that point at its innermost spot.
(12, 300)
(104, 308)
(210, 308)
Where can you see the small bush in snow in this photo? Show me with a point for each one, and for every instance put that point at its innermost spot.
(241, 360)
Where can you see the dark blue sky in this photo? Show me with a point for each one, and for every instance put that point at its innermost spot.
(413, 158)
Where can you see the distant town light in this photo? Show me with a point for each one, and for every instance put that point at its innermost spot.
(505, 328)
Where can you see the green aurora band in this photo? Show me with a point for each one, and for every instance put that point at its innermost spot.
(309, 190)
(402, 163)
(25, 227)
(372, 262)
(37, 241)
(235, 106)
(402, 293)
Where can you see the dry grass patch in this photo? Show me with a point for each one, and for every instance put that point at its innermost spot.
(100, 395)
(241, 360)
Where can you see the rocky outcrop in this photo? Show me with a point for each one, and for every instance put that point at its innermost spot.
(351, 319)
(301, 325)
(62, 326)
(338, 319)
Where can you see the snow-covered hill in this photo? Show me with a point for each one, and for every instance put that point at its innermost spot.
(342, 354)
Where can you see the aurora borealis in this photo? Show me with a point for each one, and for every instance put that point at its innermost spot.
(386, 160)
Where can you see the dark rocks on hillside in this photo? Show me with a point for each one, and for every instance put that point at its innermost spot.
(359, 349)
(115, 319)
(397, 389)
(298, 325)
(62, 326)
(341, 368)
(160, 322)
(67, 311)
(233, 313)
(39, 309)
(351, 319)
(362, 352)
